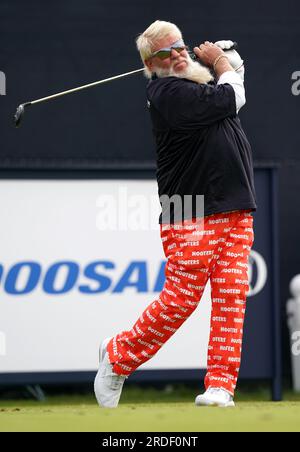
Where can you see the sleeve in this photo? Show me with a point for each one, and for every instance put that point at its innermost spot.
(188, 105)
(237, 84)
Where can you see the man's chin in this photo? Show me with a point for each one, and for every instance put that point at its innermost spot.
(190, 70)
(179, 67)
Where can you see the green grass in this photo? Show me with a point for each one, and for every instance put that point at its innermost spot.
(151, 411)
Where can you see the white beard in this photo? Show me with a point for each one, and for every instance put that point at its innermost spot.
(194, 71)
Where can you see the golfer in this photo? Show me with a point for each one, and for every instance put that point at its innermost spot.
(202, 151)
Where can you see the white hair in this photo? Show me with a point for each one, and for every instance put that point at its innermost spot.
(146, 41)
(159, 30)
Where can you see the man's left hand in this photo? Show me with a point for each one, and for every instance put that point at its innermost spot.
(233, 57)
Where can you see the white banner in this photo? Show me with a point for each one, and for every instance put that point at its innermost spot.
(66, 283)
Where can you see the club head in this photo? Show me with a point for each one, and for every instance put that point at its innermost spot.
(20, 113)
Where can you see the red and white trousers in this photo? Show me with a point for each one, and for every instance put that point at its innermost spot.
(215, 247)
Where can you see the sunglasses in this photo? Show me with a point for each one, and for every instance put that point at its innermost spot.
(165, 53)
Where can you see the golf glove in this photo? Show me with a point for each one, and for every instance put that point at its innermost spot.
(233, 57)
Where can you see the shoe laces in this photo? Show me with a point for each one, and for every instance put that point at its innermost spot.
(213, 390)
(116, 381)
(216, 391)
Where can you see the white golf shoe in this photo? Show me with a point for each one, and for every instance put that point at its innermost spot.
(215, 397)
(108, 385)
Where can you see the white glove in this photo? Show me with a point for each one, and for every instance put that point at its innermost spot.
(233, 57)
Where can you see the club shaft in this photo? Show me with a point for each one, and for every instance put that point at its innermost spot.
(89, 85)
(99, 82)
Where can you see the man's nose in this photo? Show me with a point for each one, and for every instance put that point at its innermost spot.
(174, 54)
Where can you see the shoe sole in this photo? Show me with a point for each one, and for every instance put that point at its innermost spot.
(207, 403)
(102, 352)
(103, 349)
(216, 405)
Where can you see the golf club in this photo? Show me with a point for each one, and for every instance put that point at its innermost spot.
(21, 108)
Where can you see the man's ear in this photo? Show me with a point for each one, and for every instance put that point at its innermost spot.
(149, 64)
